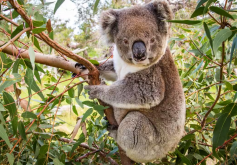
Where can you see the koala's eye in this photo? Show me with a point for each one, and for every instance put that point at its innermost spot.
(125, 41)
(152, 40)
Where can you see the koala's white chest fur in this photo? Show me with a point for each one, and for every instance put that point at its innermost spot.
(121, 67)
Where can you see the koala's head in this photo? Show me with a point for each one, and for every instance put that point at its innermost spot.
(140, 33)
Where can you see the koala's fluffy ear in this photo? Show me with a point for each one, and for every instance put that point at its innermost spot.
(161, 9)
(108, 20)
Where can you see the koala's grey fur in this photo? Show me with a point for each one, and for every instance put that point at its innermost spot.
(147, 97)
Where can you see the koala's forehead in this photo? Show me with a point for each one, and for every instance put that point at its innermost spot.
(136, 20)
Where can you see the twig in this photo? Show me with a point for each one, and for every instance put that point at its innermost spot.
(219, 90)
(224, 144)
(86, 155)
(204, 54)
(14, 38)
(8, 20)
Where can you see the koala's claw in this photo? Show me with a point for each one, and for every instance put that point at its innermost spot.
(80, 66)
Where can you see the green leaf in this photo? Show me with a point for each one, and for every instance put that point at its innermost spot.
(9, 104)
(96, 6)
(221, 130)
(233, 48)
(74, 109)
(207, 5)
(187, 22)
(201, 2)
(29, 115)
(51, 36)
(29, 79)
(36, 43)
(231, 109)
(220, 11)
(79, 89)
(15, 125)
(198, 67)
(21, 130)
(228, 85)
(44, 149)
(90, 141)
(71, 92)
(221, 36)
(57, 5)
(79, 141)
(21, 2)
(113, 151)
(37, 23)
(208, 34)
(233, 150)
(16, 31)
(183, 158)
(2, 107)
(10, 158)
(10, 81)
(38, 30)
(89, 103)
(87, 113)
(32, 56)
(94, 62)
(79, 102)
(57, 162)
(14, 14)
(4, 136)
(100, 109)
(198, 12)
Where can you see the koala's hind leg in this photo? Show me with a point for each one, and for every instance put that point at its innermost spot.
(138, 137)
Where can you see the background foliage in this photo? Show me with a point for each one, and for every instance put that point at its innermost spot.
(39, 105)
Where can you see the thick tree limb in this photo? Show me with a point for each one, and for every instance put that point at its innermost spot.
(50, 60)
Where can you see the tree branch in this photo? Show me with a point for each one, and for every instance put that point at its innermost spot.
(50, 60)
(14, 38)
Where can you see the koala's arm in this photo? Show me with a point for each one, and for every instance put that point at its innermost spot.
(107, 71)
(135, 91)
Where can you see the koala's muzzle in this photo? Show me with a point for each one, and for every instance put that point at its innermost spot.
(139, 51)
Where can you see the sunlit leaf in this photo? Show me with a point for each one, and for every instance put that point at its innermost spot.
(38, 30)
(207, 31)
(10, 158)
(29, 115)
(220, 11)
(57, 5)
(4, 136)
(57, 162)
(201, 2)
(87, 113)
(96, 6)
(32, 56)
(74, 109)
(10, 81)
(233, 48)
(36, 43)
(221, 130)
(197, 12)
(9, 104)
(221, 36)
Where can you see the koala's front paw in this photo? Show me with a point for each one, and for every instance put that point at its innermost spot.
(93, 91)
(82, 71)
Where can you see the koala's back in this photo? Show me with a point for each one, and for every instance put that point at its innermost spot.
(161, 127)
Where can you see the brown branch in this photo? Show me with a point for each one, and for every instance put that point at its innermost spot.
(224, 144)
(219, 90)
(50, 60)
(86, 155)
(14, 38)
(8, 20)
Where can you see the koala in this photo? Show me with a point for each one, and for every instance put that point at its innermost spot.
(146, 95)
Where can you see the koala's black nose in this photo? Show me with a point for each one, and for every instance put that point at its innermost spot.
(139, 51)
